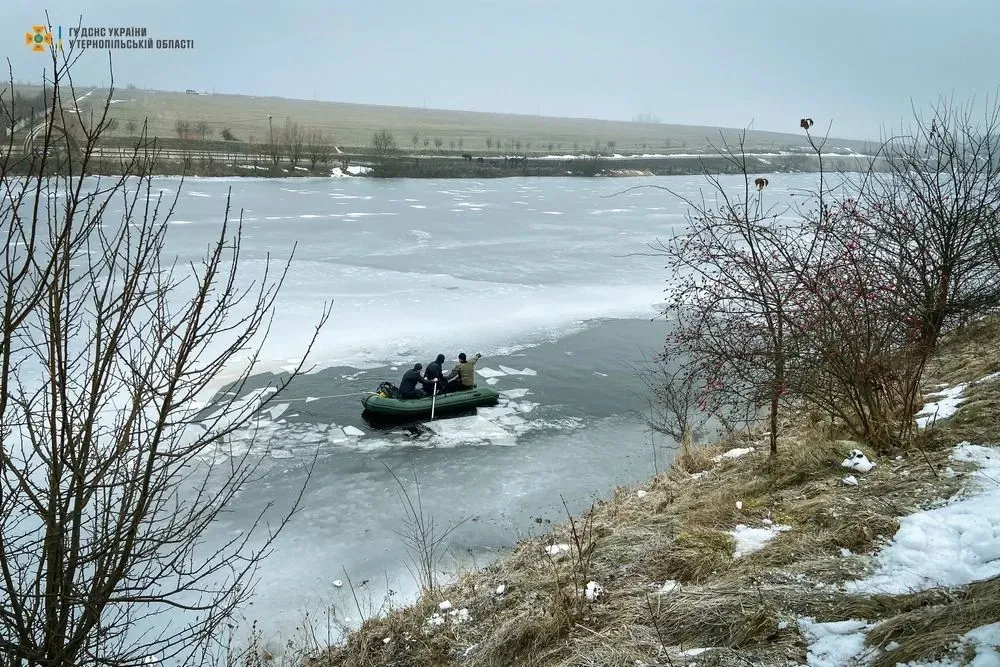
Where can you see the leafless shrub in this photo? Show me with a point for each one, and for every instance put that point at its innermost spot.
(421, 537)
(111, 472)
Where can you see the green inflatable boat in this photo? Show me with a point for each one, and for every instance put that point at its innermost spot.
(381, 405)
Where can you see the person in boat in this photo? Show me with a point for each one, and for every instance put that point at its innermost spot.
(408, 385)
(434, 372)
(463, 376)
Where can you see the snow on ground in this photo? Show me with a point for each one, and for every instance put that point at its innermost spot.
(833, 644)
(951, 545)
(733, 454)
(950, 399)
(750, 539)
(942, 408)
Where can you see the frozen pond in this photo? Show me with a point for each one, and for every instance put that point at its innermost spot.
(533, 273)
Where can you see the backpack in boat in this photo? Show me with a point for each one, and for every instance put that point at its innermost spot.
(388, 390)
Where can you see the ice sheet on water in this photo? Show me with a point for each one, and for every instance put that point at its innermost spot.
(514, 393)
(488, 372)
(277, 410)
(513, 371)
(469, 430)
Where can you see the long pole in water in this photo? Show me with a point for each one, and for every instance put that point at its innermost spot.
(434, 395)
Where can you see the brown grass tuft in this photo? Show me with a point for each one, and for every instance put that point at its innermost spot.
(926, 632)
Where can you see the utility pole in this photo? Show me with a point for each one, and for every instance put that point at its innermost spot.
(270, 125)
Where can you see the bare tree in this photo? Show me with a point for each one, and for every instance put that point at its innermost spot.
(183, 128)
(931, 216)
(131, 127)
(415, 139)
(438, 142)
(728, 296)
(202, 129)
(294, 139)
(319, 148)
(382, 146)
(110, 472)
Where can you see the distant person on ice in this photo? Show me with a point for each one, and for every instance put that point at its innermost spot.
(466, 372)
(408, 385)
(434, 372)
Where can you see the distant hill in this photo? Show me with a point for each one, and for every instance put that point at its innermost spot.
(351, 125)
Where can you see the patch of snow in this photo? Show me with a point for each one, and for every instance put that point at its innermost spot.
(739, 504)
(641, 493)
(594, 591)
(695, 651)
(557, 549)
(750, 539)
(501, 589)
(733, 454)
(856, 460)
(459, 615)
(444, 606)
(357, 170)
(943, 408)
(984, 640)
(669, 586)
(850, 480)
(952, 545)
(833, 644)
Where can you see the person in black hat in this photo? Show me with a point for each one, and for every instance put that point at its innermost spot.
(434, 372)
(408, 385)
(464, 373)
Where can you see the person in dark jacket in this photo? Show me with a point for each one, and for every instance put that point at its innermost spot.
(408, 385)
(434, 372)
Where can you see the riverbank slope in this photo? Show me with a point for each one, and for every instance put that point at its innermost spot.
(733, 557)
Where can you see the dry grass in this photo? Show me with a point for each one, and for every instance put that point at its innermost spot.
(927, 632)
(679, 529)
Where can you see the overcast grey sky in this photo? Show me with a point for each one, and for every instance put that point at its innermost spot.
(858, 63)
